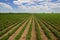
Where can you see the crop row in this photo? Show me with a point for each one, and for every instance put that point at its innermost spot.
(46, 26)
(38, 32)
(21, 32)
(12, 31)
(7, 20)
(7, 29)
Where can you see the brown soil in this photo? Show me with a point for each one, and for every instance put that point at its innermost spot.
(43, 36)
(9, 27)
(23, 37)
(33, 33)
(8, 32)
(17, 32)
(52, 35)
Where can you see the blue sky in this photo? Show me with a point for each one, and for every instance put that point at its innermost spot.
(34, 6)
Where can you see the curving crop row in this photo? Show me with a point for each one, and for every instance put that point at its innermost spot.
(21, 32)
(53, 26)
(57, 33)
(46, 30)
(37, 31)
(10, 33)
(28, 36)
(5, 31)
(7, 20)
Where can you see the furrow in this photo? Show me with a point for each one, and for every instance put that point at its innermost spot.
(43, 36)
(18, 30)
(23, 37)
(6, 36)
(52, 32)
(33, 33)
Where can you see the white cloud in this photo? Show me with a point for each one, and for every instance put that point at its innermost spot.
(34, 8)
(58, 1)
(29, 1)
(46, 5)
(18, 2)
(5, 6)
(53, 5)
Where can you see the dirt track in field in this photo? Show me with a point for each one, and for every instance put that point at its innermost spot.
(23, 37)
(17, 32)
(52, 35)
(43, 36)
(9, 31)
(9, 27)
(33, 33)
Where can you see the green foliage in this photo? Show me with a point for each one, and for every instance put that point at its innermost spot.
(38, 32)
(19, 18)
(28, 36)
(21, 32)
(8, 19)
(50, 19)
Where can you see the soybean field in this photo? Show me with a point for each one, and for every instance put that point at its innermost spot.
(29, 26)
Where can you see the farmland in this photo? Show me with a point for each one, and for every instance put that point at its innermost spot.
(27, 26)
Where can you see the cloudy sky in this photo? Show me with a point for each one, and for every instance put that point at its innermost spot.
(30, 6)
